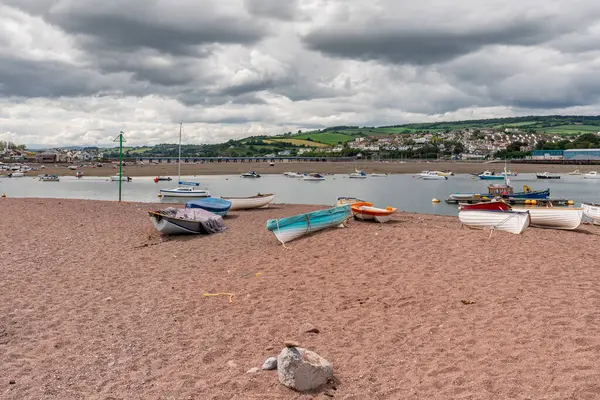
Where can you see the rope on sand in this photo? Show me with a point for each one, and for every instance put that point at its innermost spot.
(221, 294)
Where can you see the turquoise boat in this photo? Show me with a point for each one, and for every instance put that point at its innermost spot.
(290, 228)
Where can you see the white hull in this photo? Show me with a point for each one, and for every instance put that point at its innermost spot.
(116, 178)
(50, 180)
(592, 211)
(512, 222)
(185, 192)
(378, 175)
(378, 218)
(168, 228)
(246, 203)
(312, 178)
(358, 176)
(288, 234)
(554, 217)
(591, 175)
(292, 175)
(434, 177)
(18, 174)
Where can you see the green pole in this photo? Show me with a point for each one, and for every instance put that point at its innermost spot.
(121, 139)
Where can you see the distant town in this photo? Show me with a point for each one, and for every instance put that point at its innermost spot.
(523, 138)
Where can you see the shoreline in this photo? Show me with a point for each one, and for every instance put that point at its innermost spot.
(106, 307)
(306, 167)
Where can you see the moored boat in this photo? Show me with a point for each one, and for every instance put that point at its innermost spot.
(213, 204)
(290, 228)
(445, 173)
(313, 177)
(488, 175)
(358, 175)
(378, 175)
(592, 211)
(16, 174)
(591, 175)
(186, 189)
(510, 221)
(246, 203)
(49, 178)
(162, 178)
(292, 175)
(170, 221)
(431, 176)
(251, 174)
(547, 175)
(366, 211)
(115, 178)
(79, 174)
(576, 172)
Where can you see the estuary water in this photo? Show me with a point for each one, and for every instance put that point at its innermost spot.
(404, 191)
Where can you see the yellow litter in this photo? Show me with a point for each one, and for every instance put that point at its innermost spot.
(221, 294)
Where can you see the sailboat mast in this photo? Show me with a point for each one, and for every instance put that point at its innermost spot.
(179, 161)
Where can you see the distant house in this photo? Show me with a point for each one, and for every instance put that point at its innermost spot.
(284, 153)
(46, 157)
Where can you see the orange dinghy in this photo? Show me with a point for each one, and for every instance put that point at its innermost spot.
(364, 210)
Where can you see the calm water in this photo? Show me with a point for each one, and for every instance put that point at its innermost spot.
(400, 190)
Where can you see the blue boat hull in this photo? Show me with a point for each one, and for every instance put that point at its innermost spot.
(287, 229)
(538, 194)
(491, 177)
(212, 204)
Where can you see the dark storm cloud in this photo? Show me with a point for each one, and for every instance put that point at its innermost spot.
(425, 45)
(286, 10)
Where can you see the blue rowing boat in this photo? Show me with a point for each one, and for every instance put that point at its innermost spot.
(213, 204)
(290, 228)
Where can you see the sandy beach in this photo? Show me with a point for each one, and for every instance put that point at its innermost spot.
(308, 167)
(95, 304)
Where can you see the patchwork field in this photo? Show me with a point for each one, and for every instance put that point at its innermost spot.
(297, 142)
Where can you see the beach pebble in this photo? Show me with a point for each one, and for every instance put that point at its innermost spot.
(253, 370)
(301, 369)
(270, 364)
(291, 343)
(231, 364)
(309, 328)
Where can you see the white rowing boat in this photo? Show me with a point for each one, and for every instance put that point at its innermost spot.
(509, 221)
(246, 203)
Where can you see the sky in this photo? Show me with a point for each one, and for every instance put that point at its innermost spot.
(76, 72)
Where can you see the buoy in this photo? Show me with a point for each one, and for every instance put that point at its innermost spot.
(485, 198)
(533, 202)
(3, 195)
(570, 202)
(434, 200)
(156, 179)
(159, 195)
(527, 201)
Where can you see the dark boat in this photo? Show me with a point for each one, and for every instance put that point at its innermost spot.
(546, 175)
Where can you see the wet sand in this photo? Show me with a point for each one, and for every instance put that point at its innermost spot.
(308, 167)
(95, 304)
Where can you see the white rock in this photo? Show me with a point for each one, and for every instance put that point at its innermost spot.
(270, 364)
(301, 369)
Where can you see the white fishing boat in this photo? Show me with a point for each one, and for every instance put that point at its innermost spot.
(172, 221)
(509, 221)
(251, 174)
(49, 178)
(292, 175)
(358, 175)
(246, 203)
(313, 177)
(115, 178)
(185, 189)
(431, 176)
(378, 175)
(591, 175)
(17, 174)
(554, 217)
(592, 211)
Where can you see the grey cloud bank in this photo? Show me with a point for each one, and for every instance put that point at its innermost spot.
(78, 72)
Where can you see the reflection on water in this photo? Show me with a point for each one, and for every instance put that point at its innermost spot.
(404, 191)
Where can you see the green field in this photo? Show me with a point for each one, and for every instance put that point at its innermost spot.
(327, 138)
(298, 142)
(570, 129)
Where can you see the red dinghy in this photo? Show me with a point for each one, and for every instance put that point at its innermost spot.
(487, 206)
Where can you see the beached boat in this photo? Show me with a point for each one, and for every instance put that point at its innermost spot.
(576, 172)
(547, 175)
(290, 228)
(358, 175)
(313, 177)
(348, 200)
(251, 174)
(510, 221)
(378, 175)
(431, 176)
(49, 178)
(213, 204)
(486, 206)
(366, 211)
(171, 221)
(592, 211)
(591, 175)
(554, 217)
(116, 178)
(247, 203)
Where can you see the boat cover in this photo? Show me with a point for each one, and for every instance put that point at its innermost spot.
(212, 223)
(212, 204)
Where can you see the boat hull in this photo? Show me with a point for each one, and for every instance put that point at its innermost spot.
(592, 211)
(288, 229)
(491, 177)
(366, 211)
(509, 221)
(191, 194)
(173, 225)
(489, 205)
(378, 175)
(434, 177)
(547, 176)
(247, 203)
(591, 176)
(568, 218)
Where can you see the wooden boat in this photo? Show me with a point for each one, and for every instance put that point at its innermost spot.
(554, 217)
(591, 175)
(213, 204)
(431, 176)
(246, 203)
(290, 228)
(510, 221)
(49, 178)
(251, 174)
(366, 211)
(172, 221)
(116, 178)
(547, 175)
(377, 175)
(313, 177)
(592, 211)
